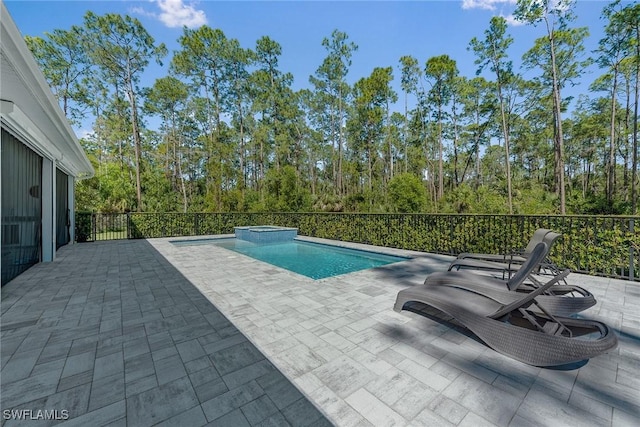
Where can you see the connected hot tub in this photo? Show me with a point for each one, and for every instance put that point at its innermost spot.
(266, 234)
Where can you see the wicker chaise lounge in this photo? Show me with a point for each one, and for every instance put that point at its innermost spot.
(562, 300)
(514, 329)
(520, 257)
(513, 264)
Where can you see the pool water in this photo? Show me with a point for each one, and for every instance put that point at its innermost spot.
(313, 260)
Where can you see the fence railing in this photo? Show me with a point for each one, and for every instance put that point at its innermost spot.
(602, 245)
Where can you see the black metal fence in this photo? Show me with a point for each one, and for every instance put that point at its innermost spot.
(602, 245)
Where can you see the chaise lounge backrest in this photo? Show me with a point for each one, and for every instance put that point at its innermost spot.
(538, 255)
(538, 236)
(527, 298)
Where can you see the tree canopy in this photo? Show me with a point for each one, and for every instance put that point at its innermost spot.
(230, 133)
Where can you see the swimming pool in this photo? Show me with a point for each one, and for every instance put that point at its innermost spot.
(314, 260)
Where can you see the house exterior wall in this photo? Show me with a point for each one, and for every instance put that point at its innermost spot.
(32, 120)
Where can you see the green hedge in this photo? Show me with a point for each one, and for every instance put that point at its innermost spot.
(83, 226)
(590, 244)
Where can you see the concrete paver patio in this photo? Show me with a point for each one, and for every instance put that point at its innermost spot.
(119, 333)
(112, 334)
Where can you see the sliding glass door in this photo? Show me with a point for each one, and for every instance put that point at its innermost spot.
(21, 207)
(63, 219)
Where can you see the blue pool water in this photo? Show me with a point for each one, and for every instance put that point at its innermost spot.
(313, 260)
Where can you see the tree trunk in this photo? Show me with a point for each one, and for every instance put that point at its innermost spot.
(627, 156)
(634, 168)
(389, 143)
(340, 154)
(505, 131)
(558, 137)
(478, 135)
(612, 135)
(335, 159)
(181, 176)
(456, 138)
(404, 134)
(370, 165)
(243, 175)
(440, 156)
(136, 136)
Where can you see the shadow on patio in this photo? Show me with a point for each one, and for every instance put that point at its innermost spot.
(112, 333)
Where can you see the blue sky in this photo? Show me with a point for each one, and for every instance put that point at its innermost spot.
(383, 30)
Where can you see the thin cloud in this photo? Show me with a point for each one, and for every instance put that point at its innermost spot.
(175, 13)
(496, 6)
(83, 133)
(485, 4)
(141, 11)
(512, 20)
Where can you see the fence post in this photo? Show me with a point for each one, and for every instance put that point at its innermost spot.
(451, 233)
(631, 250)
(196, 221)
(93, 225)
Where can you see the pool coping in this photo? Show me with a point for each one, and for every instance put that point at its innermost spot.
(304, 239)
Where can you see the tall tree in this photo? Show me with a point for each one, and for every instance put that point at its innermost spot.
(63, 60)
(331, 86)
(441, 72)
(276, 104)
(630, 15)
(410, 73)
(612, 50)
(203, 59)
(167, 98)
(556, 54)
(478, 108)
(492, 52)
(122, 47)
(367, 123)
(239, 60)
